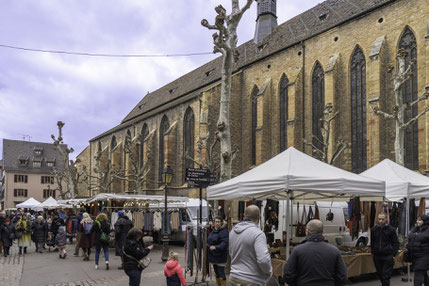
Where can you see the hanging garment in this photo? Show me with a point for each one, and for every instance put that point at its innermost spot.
(422, 207)
(413, 213)
(350, 209)
(129, 214)
(372, 215)
(403, 219)
(113, 219)
(241, 207)
(157, 221)
(168, 224)
(138, 219)
(190, 250)
(175, 221)
(366, 216)
(316, 213)
(148, 221)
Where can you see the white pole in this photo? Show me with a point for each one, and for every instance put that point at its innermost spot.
(407, 229)
(287, 225)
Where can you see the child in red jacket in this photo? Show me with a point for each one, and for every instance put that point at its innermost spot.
(173, 271)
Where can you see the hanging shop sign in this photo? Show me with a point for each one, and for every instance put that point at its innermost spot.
(200, 178)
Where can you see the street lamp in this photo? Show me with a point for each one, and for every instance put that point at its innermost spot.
(167, 176)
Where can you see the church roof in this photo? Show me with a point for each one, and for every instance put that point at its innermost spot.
(310, 23)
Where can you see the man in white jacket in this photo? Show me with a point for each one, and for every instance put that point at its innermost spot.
(250, 258)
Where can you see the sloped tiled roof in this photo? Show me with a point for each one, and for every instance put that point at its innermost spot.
(318, 19)
(13, 150)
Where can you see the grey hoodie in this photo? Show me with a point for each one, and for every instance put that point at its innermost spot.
(250, 258)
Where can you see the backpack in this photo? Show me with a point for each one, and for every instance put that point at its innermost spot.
(87, 227)
(104, 237)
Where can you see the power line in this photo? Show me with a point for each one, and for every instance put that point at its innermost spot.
(105, 55)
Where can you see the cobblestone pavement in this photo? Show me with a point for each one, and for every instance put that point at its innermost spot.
(34, 269)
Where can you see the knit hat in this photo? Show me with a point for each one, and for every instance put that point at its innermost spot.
(120, 212)
(7, 220)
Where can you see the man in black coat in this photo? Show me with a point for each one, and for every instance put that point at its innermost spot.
(122, 226)
(384, 247)
(39, 230)
(315, 262)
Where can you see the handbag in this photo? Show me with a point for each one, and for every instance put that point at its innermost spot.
(300, 227)
(406, 257)
(104, 237)
(143, 263)
(18, 234)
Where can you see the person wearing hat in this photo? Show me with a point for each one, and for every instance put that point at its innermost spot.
(7, 233)
(122, 226)
(24, 226)
(418, 249)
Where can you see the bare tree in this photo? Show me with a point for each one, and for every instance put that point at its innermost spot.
(77, 177)
(225, 42)
(103, 174)
(63, 176)
(400, 77)
(138, 172)
(322, 151)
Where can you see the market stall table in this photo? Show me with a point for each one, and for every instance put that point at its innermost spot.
(357, 264)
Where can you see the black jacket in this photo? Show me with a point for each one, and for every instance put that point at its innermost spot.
(122, 226)
(56, 223)
(136, 250)
(5, 234)
(384, 240)
(39, 231)
(418, 247)
(218, 238)
(105, 227)
(315, 263)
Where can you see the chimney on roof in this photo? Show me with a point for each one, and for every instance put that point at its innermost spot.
(266, 19)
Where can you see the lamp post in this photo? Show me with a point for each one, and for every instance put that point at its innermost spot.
(167, 176)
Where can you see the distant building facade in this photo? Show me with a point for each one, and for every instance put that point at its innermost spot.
(27, 171)
(338, 52)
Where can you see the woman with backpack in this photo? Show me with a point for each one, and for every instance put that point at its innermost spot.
(101, 230)
(86, 239)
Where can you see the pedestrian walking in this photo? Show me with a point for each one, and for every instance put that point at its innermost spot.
(7, 234)
(39, 231)
(2, 218)
(384, 247)
(56, 223)
(134, 251)
(122, 227)
(250, 258)
(418, 249)
(173, 271)
(86, 239)
(61, 241)
(217, 243)
(315, 262)
(23, 227)
(79, 218)
(101, 231)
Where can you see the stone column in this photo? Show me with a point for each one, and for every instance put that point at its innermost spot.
(330, 94)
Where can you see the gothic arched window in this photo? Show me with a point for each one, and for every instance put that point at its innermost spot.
(283, 105)
(254, 121)
(358, 110)
(188, 138)
(113, 143)
(409, 93)
(162, 130)
(143, 135)
(99, 147)
(318, 104)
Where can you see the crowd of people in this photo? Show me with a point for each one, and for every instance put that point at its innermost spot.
(313, 262)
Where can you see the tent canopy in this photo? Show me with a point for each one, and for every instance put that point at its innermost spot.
(120, 197)
(400, 181)
(308, 178)
(31, 203)
(50, 203)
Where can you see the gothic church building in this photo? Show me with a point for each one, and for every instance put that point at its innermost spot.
(341, 52)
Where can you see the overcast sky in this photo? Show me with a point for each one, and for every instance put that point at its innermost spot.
(93, 94)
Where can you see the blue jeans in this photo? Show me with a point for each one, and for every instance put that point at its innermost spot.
(135, 276)
(98, 250)
(219, 271)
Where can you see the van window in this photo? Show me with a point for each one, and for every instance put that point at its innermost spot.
(194, 211)
(185, 216)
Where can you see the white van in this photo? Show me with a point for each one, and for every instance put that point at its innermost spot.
(189, 211)
(335, 231)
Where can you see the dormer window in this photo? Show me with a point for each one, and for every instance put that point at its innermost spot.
(50, 163)
(208, 73)
(322, 17)
(23, 160)
(172, 90)
(38, 151)
(37, 164)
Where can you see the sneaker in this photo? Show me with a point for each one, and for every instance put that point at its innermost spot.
(107, 265)
(96, 267)
(60, 256)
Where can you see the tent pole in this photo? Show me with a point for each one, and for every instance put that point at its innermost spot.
(407, 229)
(288, 229)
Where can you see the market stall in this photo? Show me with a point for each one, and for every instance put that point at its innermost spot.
(31, 203)
(295, 176)
(49, 203)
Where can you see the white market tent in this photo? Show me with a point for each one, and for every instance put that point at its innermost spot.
(401, 182)
(50, 203)
(31, 203)
(307, 177)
